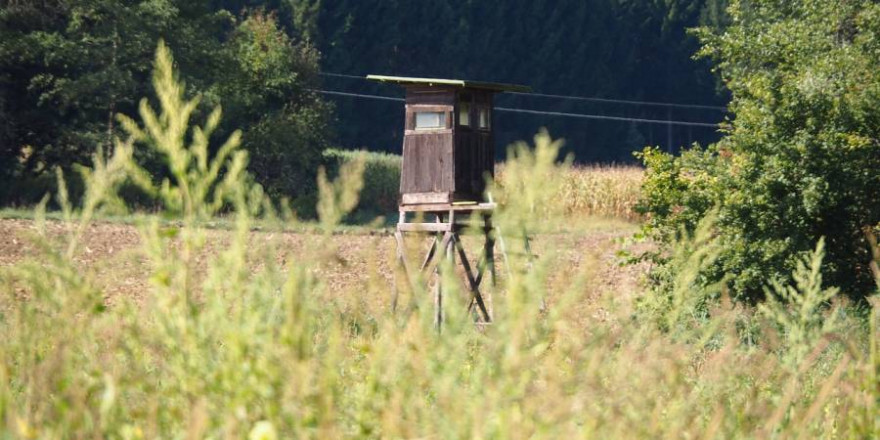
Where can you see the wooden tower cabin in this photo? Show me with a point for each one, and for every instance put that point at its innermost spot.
(448, 146)
(448, 155)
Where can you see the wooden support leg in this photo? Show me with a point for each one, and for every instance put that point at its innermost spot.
(490, 249)
(401, 263)
(476, 296)
(500, 237)
(489, 261)
(446, 252)
(438, 305)
(530, 260)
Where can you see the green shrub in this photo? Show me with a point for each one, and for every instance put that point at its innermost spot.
(381, 191)
(800, 159)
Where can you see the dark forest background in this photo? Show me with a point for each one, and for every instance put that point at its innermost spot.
(621, 49)
(68, 66)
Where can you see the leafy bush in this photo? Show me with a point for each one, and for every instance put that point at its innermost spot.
(381, 191)
(800, 160)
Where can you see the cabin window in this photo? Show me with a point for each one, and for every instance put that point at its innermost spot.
(464, 114)
(430, 120)
(484, 118)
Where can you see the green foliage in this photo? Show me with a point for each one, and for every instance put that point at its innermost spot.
(682, 299)
(198, 187)
(69, 67)
(677, 191)
(798, 309)
(381, 190)
(267, 90)
(799, 161)
(338, 198)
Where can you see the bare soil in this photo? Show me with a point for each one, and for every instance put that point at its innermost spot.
(110, 252)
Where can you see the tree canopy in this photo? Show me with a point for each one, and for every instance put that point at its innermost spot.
(68, 67)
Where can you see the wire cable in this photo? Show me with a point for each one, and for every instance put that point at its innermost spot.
(578, 98)
(539, 112)
(608, 118)
(357, 95)
(622, 101)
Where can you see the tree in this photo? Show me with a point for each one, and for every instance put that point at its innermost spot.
(68, 66)
(269, 91)
(71, 65)
(800, 159)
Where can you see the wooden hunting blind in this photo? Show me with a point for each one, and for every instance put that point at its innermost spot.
(448, 144)
(448, 154)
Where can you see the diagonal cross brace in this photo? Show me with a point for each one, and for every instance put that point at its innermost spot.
(476, 296)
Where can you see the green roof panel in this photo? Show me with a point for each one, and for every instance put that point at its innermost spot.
(405, 80)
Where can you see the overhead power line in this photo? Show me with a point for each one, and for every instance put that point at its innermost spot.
(579, 98)
(622, 101)
(356, 95)
(607, 118)
(540, 112)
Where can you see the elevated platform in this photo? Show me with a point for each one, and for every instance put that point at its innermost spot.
(442, 207)
(448, 217)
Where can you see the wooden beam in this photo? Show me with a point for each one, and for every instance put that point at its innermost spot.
(424, 227)
(425, 198)
(444, 207)
(474, 286)
(430, 254)
(401, 261)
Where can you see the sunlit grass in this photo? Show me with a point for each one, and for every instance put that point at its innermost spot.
(233, 335)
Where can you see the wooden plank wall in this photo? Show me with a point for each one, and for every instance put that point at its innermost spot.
(428, 163)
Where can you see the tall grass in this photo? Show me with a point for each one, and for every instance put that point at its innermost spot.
(241, 343)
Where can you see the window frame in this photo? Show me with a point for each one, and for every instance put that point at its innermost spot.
(441, 119)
